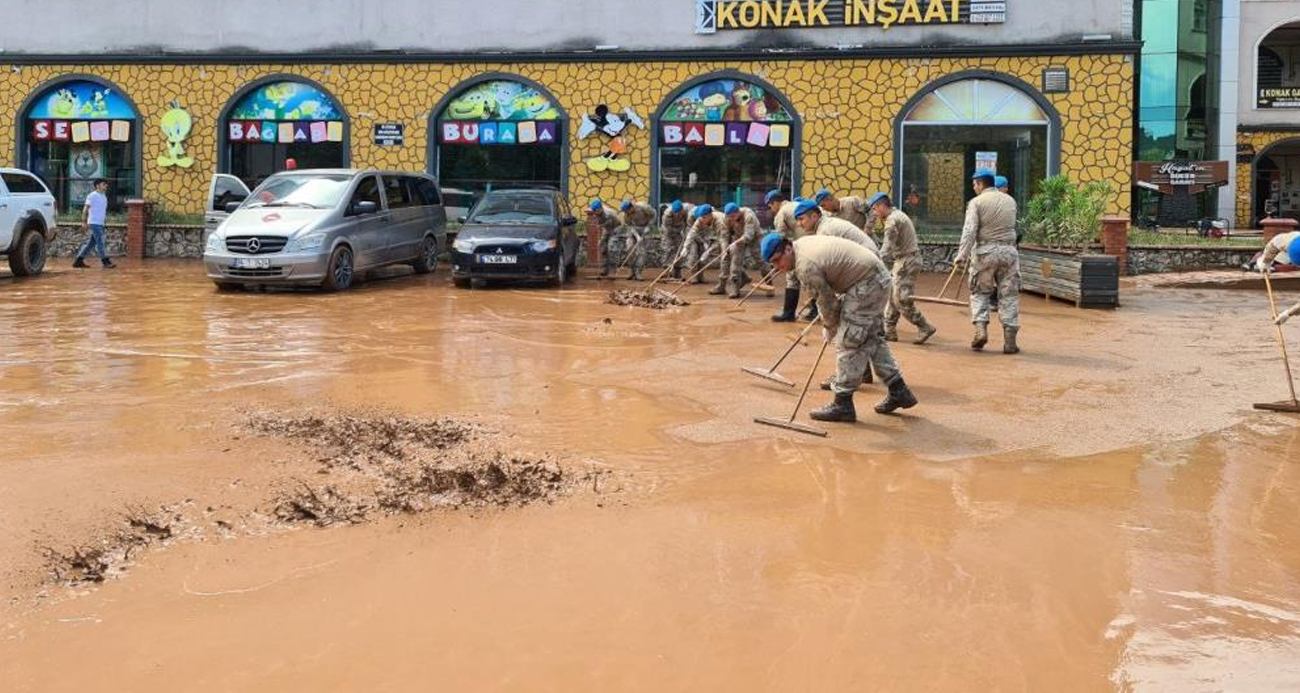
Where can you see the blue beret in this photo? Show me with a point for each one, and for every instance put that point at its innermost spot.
(983, 173)
(876, 198)
(805, 206)
(703, 210)
(731, 208)
(676, 207)
(773, 196)
(627, 204)
(822, 195)
(1293, 251)
(1000, 181)
(595, 205)
(768, 245)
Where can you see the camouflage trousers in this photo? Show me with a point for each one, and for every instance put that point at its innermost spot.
(861, 338)
(902, 299)
(615, 245)
(695, 253)
(736, 262)
(996, 271)
(670, 244)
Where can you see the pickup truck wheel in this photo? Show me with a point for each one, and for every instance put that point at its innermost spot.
(339, 274)
(428, 260)
(27, 258)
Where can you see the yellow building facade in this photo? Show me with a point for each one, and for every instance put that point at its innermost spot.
(848, 112)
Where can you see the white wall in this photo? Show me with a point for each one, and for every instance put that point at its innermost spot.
(1258, 18)
(97, 26)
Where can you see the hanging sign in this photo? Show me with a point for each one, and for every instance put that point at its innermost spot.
(712, 16)
(1165, 176)
(390, 134)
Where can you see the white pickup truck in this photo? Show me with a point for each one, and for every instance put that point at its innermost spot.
(27, 223)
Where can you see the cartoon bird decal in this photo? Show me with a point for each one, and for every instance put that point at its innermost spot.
(176, 124)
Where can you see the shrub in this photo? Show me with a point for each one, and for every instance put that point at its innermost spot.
(1063, 215)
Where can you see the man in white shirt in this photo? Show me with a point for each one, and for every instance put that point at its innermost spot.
(93, 216)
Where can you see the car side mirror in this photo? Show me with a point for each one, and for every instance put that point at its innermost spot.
(569, 221)
(365, 207)
(462, 219)
(231, 207)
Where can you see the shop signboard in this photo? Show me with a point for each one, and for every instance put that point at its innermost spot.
(1166, 176)
(390, 134)
(1278, 97)
(712, 16)
(285, 113)
(726, 113)
(500, 112)
(79, 111)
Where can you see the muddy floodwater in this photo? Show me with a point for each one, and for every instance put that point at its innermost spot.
(413, 487)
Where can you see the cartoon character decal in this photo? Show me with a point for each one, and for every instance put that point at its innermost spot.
(500, 100)
(729, 100)
(286, 101)
(176, 124)
(615, 127)
(81, 99)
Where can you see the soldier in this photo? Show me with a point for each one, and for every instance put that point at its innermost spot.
(1002, 184)
(609, 224)
(745, 232)
(1287, 314)
(852, 287)
(988, 242)
(675, 222)
(782, 210)
(812, 221)
(638, 217)
(850, 209)
(902, 254)
(708, 226)
(1284, 249)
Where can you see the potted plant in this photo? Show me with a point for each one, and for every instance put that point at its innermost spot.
(1061, 222)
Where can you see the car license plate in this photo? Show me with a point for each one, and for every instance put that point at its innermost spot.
(251, 263)
(498, 259)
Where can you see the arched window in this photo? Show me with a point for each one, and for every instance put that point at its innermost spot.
(968, 122)
(1277, 68)
(496, 130)
(725, 137)
(76, 129)
(275, 120)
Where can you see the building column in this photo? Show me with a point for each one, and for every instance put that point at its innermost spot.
(1229, 61)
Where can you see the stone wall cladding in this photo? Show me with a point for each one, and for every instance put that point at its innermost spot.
(69, 239)
(1246, 172)
(848, 137)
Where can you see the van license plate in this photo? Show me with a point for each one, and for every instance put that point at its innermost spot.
(251, 263)
(498, 259)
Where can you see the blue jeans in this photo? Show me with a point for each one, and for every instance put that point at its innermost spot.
(96, 238)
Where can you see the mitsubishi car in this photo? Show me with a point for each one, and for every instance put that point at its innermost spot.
(519, 234)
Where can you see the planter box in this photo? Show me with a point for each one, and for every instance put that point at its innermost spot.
(1087, 281)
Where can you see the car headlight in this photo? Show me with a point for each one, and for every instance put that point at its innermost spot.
(541, 246)
(311, 241)
(216, 243)
(465, 246)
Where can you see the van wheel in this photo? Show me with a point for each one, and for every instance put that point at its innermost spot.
(428, 259)
(340, 273)
(27, 258)
(226, 287)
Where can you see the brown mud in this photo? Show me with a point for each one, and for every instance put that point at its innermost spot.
(657, 300)
(526, 490)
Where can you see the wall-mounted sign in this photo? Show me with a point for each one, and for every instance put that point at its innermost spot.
(712, 16)
(276, 132)
(79, 131)
(494, 133)
(499, 112)
(987, 160)
(1056, 80)
(390, 134)
(726, 112)
(1278, 97)
(1165, 176)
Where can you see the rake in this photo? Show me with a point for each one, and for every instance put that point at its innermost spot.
(687, 281)
(627, 255)
(1292, 407)
(771, 374)
(789, 423)
(943, 292)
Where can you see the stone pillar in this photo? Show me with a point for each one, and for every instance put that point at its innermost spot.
(593, 242)
(138, 213)
(1114, 239)
(1273, 227)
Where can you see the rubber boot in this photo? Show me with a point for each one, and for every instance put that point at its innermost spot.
(811, 314)
(604, 269)
(734, 291)
(1009, 340)
(720, 288)
(791, 305)
(900, 397)
(699, 278)
(891, 332)
(927, 331)
(841, 410)
(981, 336)
(677, 272)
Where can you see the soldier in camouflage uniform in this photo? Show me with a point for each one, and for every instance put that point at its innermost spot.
(852, 287)
(782, 210)
(988, 243)
(901, 253)
(701, 239)
(638, 218)
(745, 233)
(675, 222)
(850, 209)
(609, 223)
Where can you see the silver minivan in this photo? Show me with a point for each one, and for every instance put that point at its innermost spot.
(322, 227)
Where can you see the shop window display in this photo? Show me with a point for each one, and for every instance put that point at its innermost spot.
(279, 122)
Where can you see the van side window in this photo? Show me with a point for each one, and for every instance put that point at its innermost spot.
(367, 191)
(396, 192)
(428, 191)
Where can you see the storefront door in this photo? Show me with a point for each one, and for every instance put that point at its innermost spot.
(282, 124)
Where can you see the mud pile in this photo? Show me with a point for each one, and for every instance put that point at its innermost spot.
(389, 465)
(110, 555)
(642, 299)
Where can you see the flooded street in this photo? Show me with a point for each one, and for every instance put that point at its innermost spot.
(1102, 512)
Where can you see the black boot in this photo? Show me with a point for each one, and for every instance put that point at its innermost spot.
(899, 397)
(811, 313)
(677, 272)
(791, 305)
(840, 410)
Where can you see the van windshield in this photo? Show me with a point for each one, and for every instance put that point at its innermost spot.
(314, 191)
(512, 209)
